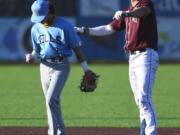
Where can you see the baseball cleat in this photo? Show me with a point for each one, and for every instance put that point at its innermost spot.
(143, 126)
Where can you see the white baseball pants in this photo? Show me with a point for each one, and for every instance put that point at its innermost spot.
(53, 78)
(142, 74)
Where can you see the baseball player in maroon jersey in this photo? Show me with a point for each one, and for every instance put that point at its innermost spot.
(139, 21)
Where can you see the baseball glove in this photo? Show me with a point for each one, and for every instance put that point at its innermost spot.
(89, 81)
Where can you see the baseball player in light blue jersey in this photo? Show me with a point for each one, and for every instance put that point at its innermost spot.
(53, 41)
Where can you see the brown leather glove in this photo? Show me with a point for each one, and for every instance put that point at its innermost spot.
(89, 81)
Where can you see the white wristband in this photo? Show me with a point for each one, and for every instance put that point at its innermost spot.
(85, 66)
(31, 56)
(34, 55)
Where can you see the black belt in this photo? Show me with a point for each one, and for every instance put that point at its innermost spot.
(137, 51)
(53, 60)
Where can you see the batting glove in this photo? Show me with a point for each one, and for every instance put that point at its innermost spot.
(80, 30)
(119, 15)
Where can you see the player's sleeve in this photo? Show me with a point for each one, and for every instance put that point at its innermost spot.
(118, 25)
(36, 46)
(101, 30)
(73, 39)
(145, 3)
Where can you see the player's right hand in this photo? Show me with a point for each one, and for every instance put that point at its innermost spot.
(29, 58)
(119, 15)
(79, 30)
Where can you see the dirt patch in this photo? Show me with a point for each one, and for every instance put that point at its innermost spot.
(84, 131)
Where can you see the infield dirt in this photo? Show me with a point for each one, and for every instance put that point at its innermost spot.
(84, 131)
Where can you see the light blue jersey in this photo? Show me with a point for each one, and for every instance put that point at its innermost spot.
(57, 40)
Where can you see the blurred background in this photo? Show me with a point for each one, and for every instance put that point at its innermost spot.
(15, 28)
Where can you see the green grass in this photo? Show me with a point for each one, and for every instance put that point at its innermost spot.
(111, 105)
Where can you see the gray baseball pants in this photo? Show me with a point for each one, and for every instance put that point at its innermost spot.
(53, 79)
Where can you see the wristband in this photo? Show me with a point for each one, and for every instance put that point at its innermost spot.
(31, 56)
(85, 66)
(127, 14)
(85, 31)
(34, 55)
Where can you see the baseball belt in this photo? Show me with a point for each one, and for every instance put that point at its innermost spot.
(53, 60)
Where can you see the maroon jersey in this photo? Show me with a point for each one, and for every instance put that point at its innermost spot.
(142, 32)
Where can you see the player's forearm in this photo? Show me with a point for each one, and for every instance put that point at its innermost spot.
(101, 31)
(35, 55)
(81, 59)
(96, 31)
(79, 54)
(140, 12)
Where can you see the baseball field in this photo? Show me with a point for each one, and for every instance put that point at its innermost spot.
(110, 110)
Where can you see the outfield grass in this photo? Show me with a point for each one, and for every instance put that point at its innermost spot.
(111, 105)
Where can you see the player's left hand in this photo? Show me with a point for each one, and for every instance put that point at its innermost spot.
(89, 81)
(119, 15)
